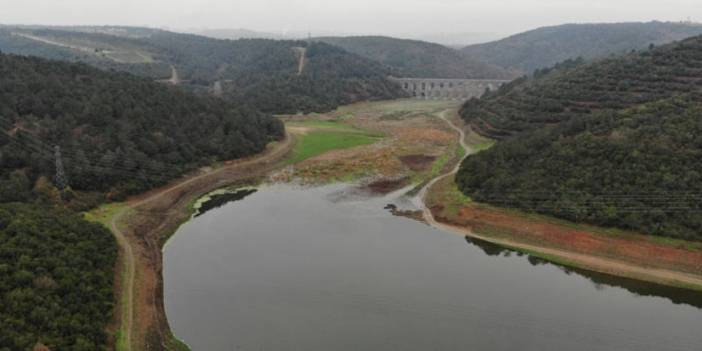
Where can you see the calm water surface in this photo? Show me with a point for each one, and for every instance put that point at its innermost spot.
(291, 268)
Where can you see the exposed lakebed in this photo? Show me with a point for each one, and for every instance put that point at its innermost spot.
(292, 268)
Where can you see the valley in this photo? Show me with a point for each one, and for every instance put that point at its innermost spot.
(161, 190)
(377, 150)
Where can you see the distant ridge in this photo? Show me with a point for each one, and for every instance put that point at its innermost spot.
(544, 47)
(616, 142)
(418, 59)
(263, 72)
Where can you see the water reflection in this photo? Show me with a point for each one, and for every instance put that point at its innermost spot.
(600, 280)
(219, 200)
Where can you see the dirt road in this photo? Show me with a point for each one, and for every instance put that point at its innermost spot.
(140, 228)
(302, 56)
(175, 80)
(595, 263)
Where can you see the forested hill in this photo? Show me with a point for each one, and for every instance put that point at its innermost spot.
(418, 59)
(580, 89)
(268, 74)
(636, 169)
(119, 133)
(264, 72)
(544, 47)
(615, 143)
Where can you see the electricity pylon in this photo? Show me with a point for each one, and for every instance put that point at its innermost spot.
(60, 180)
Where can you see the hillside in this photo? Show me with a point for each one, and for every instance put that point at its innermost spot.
(580, 89)
(418, 59)
(615, 143)
(242, 33)
(544, 47)
(253, 69)
(119, 134)
(266, 72)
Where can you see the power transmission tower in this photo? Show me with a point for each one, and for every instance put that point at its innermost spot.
(60, 180)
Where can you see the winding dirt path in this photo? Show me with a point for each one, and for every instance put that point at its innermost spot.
(595, 263)
(138, 240)
(421, 196)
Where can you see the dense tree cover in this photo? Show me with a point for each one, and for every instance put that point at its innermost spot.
(638, 169)
(262, 71)
(56, 277)
(614, 143)
(331, 77)
(579, 89)
(119, 133)
(544, 47)
(418, 59)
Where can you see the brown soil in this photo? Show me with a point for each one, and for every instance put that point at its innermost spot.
(387, 185)
(417, 162)
(628, 247)
(154, 216)
(412, 141)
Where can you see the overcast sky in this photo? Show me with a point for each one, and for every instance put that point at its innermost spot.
(349, 16)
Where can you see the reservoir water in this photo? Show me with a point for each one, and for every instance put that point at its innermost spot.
(292, 268)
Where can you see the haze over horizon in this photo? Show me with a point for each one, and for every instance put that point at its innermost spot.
(384, 17)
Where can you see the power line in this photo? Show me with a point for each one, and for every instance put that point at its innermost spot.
(60, 179)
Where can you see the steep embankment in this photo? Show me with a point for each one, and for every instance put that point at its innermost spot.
(418, 59)
(544, 47)
(614, 143)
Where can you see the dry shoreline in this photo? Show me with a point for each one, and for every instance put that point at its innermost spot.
(142, 228)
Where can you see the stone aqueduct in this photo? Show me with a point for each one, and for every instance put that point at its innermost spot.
(447, 89)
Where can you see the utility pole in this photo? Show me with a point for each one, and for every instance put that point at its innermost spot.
(60, 180)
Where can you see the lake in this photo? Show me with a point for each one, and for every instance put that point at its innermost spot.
(327, 268)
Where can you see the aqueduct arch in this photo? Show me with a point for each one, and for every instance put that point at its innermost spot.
(447, 89)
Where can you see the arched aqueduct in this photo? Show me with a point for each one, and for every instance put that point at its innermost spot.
(447, 89)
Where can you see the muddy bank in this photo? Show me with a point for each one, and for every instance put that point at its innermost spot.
(417, 162)
(385, 186)
(152, 217)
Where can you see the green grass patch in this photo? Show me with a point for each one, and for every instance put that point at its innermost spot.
(328, 124)
(177, 345)
(318, 142)
(460, 152)
(401, 105)
(482, 146)
(104, 213)
(438, 165)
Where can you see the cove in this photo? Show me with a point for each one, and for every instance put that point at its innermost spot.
(293, 268)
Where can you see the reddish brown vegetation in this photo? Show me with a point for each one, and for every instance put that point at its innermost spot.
(633, 248)
(417, 162)
(387, 185)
